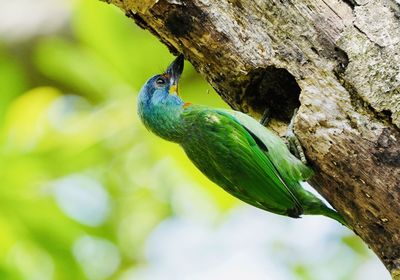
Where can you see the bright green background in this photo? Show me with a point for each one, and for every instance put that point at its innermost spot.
(84, 185)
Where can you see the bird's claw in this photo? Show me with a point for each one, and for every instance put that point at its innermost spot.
(266, 117)
(292, 142)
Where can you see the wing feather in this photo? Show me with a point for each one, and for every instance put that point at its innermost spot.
(228, 153)
(287, 164)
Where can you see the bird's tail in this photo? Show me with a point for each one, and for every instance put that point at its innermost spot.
(324, 210)
(312, 205)
(328, 212)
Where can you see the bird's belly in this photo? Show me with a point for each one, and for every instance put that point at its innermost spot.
(216, 161)
(237, 175)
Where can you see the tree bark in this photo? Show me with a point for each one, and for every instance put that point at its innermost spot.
(338, 60)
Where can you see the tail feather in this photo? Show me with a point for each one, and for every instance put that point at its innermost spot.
(312, 205)
(324, 210)
(336, 216)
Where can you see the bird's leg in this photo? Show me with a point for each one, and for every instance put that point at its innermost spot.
(266, 117)
(292, 142)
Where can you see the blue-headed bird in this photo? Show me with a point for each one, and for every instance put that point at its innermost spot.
(232, 149)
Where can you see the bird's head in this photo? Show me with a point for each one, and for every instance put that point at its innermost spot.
(162, 88)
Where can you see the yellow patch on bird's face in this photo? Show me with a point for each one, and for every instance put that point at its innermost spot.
(173, 90)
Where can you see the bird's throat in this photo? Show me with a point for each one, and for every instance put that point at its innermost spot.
(165, 121)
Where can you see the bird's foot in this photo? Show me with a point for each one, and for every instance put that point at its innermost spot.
(293, 142)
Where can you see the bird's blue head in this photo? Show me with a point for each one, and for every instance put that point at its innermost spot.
(158, 101)
(162, 89)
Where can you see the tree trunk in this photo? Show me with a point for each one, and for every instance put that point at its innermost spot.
(338, 60)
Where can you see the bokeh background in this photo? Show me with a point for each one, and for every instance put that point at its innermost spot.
(87, 193)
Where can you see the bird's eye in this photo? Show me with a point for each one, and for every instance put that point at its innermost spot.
(160, 81)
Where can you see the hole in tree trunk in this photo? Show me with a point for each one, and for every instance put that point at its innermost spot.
(275, 88)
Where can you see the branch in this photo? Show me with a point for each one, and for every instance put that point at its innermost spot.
(338, 60)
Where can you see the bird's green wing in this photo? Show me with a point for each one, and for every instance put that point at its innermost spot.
(290, 167)
(224, 150)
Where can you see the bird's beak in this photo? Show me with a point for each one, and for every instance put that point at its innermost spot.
(174, 72)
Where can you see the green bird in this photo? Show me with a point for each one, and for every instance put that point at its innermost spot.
(232, 149)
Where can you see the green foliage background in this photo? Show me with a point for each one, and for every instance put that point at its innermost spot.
(82, 182)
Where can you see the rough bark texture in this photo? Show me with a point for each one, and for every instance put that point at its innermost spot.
(338, 60)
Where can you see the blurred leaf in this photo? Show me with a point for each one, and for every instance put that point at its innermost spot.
(126, 48)
(355, 243)
(12, 81)
(302, 272)
(77, 68)
(26, 118)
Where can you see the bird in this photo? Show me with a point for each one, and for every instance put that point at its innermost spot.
(232, 149)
